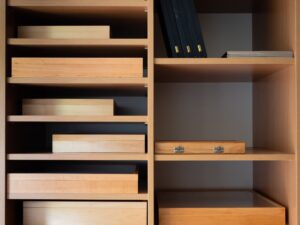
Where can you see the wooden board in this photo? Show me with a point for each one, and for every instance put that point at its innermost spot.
(81, 67)
(87, 213)
(37, 183)
(98, 143)
(99, 107)
(199, 147)
(64, 32)
(218, 208)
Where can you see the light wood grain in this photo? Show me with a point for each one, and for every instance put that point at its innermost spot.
(94, 119)
(113, 9)
(98, 143)
(87, 42)
(87, 107)
(85, 67)
(217, 69)
(78, 196)
(218, 208)
(89, 213)
(64, 32)
(105, 83)
(72, 183)
(78, 156)
(3, 210)
(150, 108)
(255, 154)
(199, 147)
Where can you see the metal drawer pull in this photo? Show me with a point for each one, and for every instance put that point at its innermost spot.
(179, 149)
(218, 149)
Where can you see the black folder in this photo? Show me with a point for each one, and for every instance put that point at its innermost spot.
(195, 28)
(181, 22)
(169, 29)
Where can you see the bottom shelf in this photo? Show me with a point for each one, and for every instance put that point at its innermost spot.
(250, 155)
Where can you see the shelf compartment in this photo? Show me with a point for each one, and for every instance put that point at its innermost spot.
(91, 119)
(106, 83)
(217, 69)
(77, 157)
(112, 9)
(250, 155)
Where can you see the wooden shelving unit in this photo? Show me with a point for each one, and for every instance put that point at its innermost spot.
(182, 98)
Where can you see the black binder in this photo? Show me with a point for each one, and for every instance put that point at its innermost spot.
(169, 29)
(195, 28)
(181, 22)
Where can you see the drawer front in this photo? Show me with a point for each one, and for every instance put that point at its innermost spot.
(77, 67)
(96, 107)
(99, 143)
(222, 216)
(84, 213)
(72, 183)
(200, 147)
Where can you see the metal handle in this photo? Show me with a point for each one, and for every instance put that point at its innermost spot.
(218, 149)
(179, 149)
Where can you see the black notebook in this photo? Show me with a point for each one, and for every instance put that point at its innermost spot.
(169, 29)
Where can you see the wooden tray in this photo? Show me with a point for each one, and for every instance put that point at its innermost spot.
(84, 213)
(218, 208)
(64, 32)
(99, 143)
(39, 183)
(78, 67)
(199, 147)
(95, 107)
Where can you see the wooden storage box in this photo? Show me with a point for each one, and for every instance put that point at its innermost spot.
(78, 67)
(99, 143)
(95, 107)
(218, 208)
(64, 32)
(199, 147)
(49, 183)
(84, 213)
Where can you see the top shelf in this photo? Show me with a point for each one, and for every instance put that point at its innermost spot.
(111, 8)
(217, 69)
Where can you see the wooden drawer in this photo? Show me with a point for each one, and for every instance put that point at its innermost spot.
(64, 32)
(95, 107)
(99, 143)
(84, 213)
(72, 183)
(218, 208)
(199, 147)
(77, 67)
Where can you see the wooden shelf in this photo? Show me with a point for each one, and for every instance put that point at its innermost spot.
(78, 157)
(107, 83)
(128, 9)
(140, 196)
(87, 119)
(250, 155)
(128, 46)
(217, 69)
